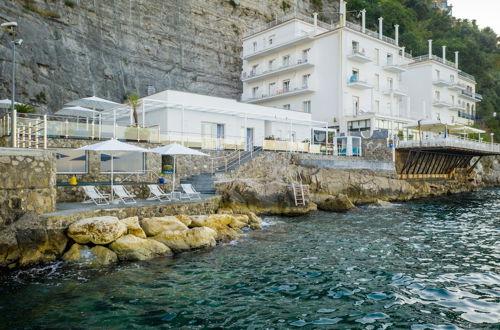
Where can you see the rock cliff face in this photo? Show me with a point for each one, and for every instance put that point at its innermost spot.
(111, 48)
(263, 185)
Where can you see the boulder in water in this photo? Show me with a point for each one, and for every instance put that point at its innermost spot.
(380, 202)
(156, 225)
(340, 203)
(133, 227)
(98, 230)
(130, 247)
(182, 240)
(96, 256)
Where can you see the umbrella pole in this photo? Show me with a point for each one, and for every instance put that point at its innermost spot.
(173, 179)
(112, 174)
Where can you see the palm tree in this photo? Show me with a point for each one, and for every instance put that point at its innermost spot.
(134, 101)
(25, 108)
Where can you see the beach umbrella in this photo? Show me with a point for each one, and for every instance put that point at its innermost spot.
(6, 103)
(111, 146)
(174, 150)
(95, 103)
(77, 111)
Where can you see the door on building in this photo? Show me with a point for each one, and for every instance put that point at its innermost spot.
(212, 136)
(249, 139)
(355, 105)
(219, 136)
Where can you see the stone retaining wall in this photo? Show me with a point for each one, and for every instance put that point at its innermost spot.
(376, 149)
(63, 219)
(185, 167)
(27, 180)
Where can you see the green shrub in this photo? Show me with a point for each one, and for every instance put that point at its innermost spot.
(69, 4)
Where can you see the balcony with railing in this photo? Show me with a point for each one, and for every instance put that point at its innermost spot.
(359, 56)
(253, 75)
(396, 91)
(297, 39)
(471, 96)
(395, 68)
(466, 75)
(441, 103)
(456, 107)
(440, 82)
(463, 114)
(358, 83)
(455, 87)
(434, 58)
(373, 34)
(279, 93)
(286, 18)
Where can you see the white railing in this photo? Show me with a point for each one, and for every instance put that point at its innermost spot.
(278, 92)
(452, 141)
(196, 140)
(296, 37)
(279, 20)
(435, 58)
(466, 75)
(290, 64)
(31, 129)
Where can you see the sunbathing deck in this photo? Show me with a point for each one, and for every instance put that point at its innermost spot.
(74, 208)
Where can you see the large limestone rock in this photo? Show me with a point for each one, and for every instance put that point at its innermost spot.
(154, 226)
(98, 230)
(254, 222)
(264, 196)
(380, 202)
(29, 240)
(227, 226)
(339, 203)
(185, 219)
(130, 247)
(133, 227)
(95, 256)
(195, 238)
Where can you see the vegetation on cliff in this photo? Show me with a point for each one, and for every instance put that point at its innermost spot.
(418, 21)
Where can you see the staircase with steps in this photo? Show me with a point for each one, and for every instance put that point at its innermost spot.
(203, 182)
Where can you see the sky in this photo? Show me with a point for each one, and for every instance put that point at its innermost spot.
(485, 12)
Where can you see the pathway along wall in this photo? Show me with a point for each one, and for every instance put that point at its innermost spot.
(27, 183)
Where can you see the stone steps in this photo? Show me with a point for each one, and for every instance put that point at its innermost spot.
(203, 183)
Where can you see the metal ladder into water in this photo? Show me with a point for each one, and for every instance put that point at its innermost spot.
(300, 191)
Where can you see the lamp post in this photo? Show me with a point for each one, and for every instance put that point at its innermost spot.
(11, 27)
(491, 140)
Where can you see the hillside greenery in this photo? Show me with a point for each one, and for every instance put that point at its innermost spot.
(479, 48)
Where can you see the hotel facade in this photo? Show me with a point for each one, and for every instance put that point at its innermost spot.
(356, 79)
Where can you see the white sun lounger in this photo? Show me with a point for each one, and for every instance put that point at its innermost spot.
(191, 193)
(155, 192)
(94, 195)
(124, 195)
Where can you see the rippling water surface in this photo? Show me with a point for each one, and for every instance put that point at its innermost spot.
(429, 264)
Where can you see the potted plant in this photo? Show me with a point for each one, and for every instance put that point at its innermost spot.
(168, 169)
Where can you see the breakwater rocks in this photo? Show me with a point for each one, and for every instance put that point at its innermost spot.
(263, 185)
(104, 240)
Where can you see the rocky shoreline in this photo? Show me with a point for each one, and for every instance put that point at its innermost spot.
(104, 240)
(266, 188)
(259, 187)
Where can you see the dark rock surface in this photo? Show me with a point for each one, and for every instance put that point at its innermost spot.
(111, 48)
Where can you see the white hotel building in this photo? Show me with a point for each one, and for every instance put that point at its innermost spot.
(354, 78)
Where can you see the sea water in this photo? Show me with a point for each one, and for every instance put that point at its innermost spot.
(427, 264)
